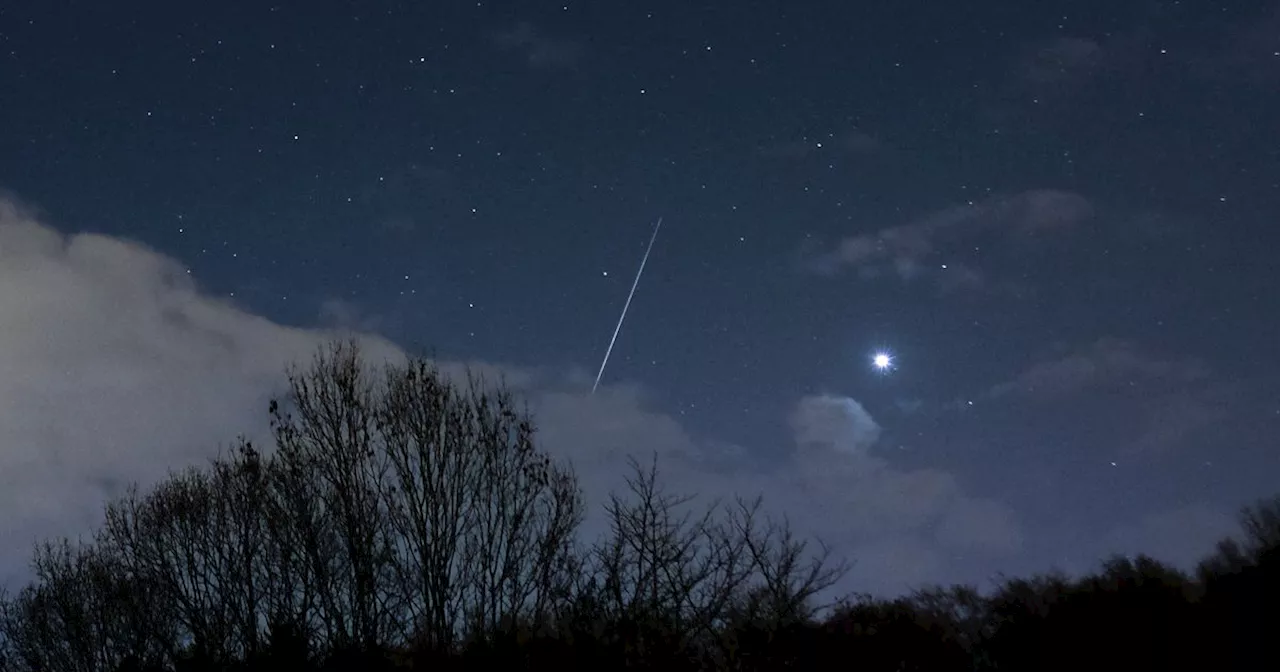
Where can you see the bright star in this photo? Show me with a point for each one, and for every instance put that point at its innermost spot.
(883, 361)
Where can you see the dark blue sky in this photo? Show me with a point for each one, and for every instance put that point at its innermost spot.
(1059, 217)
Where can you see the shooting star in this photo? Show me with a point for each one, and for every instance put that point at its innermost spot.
(625, 306)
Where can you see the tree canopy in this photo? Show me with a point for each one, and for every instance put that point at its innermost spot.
(407, 519)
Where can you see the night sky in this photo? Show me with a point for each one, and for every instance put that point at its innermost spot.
(1059, 219)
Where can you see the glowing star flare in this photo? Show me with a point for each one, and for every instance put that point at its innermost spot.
(882, 361)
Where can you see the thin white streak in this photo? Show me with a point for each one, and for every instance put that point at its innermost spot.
(635, 283)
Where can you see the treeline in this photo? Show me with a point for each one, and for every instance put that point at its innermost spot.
(408, 520)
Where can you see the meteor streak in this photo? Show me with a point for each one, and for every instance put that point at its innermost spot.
(627, 305)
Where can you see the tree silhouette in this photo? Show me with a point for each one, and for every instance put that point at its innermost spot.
(406, 519)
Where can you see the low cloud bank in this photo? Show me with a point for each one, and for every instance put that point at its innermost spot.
(116, 368)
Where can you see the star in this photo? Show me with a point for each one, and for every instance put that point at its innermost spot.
(883, 361)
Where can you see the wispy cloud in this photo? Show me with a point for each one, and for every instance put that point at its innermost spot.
(342, 314)
(1174, 535)
(1062, 60)
(538, 49)
(1062, 67)
(1170, 400)
(937, 246)
(1104, 363)
(1066, 64)
(901, 527)
(115, 367)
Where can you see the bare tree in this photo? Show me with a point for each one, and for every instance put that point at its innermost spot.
(330, 432)
(173, 539)
(401, 507)
(216, 549)
(420, 499)
(790, 577)
(7, 663)
(83, 612)
(484, 520)
(1261, 523)
(676, 580)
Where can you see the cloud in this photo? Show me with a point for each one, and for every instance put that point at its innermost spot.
(1070, 82)
(540, 51)
(1174, 417)
(1105, 362)
(1062, 68)
(899, 527)
(1183, 536)
(1067, 64)
(1169, 400)
(342, 314)
(935, 246)
(1062, 60)
(834, 423)
(115, 368)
